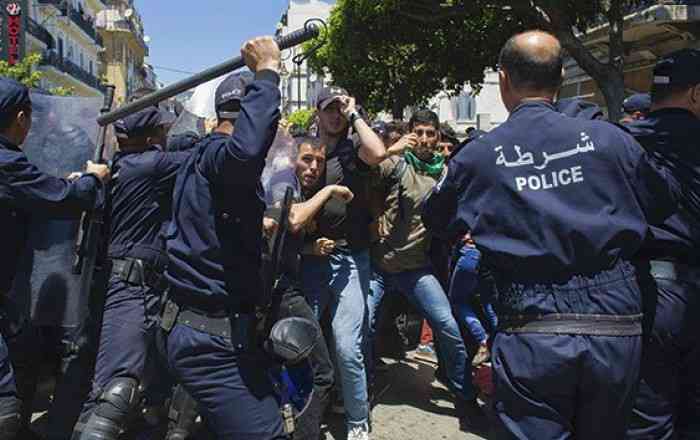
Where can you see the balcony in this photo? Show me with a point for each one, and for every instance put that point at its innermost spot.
(40, 33)
(82, 21)
(51, 58)
(61, 5)
(77, 16)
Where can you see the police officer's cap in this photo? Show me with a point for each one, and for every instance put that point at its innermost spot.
(232, 89)
(12, 95)
(328, 95)
(639, 102)
(680, 68)
(140, 123)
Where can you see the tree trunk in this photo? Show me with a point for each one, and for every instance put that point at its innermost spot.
(608, 76)
(397, 109)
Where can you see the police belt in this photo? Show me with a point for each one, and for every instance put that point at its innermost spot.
(669, 270)
(573, 324)
(138, 272)
(237, 327)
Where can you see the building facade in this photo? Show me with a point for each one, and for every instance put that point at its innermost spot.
(125, 49)
(652, 29)
(64, 32)
(300, 85)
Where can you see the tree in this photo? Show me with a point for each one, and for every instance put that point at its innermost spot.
(25, 72)
(392, 53)
(302, 118)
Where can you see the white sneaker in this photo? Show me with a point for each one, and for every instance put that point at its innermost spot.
(359, 432)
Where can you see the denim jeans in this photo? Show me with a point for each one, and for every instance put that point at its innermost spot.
(463, 285)
(424, 291)
(341, 282)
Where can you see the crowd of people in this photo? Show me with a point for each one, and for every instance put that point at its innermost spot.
(557, 249)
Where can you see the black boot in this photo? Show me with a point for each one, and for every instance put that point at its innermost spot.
(471, 416)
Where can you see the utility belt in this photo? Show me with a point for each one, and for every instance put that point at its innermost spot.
(138, 272)
(573, 324)
(237, 327)
(670, 270)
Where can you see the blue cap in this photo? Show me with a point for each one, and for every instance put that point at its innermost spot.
(639, 102)
(579, 108)
(12, 95)
(232, 89)
(679, 68)
(139, 123)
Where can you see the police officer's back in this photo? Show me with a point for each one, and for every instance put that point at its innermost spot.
(668, 400)
(26, 191)
(558, 206)
(214, 251)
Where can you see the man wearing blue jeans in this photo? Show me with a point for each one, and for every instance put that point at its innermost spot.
(400, 254)
(463, 285)
(335, 268)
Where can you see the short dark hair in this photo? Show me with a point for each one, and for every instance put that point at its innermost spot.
(424, 116)
(8, 116)
(395, 127)
(313, 142)
(664, 92)
(531, 71)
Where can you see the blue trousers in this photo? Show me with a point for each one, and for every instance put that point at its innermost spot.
(340, 283)
(128, 335)
(559, 386)
(232, 388)
(463, 286)
(9, 401)
(667, 406)
(424, 291)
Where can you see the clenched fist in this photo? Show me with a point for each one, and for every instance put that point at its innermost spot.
(261, 53)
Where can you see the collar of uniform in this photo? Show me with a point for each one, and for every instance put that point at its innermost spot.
(673, 111)
(532, 104)
(7, 144)
(126, 153)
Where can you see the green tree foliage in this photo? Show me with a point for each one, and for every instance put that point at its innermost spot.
(25, 72)
(394, 53)
(302, 118)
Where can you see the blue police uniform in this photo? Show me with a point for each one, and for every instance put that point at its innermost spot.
(558, 206)
(214, 245)
(668, 400)
(26, 191)
(140, 204)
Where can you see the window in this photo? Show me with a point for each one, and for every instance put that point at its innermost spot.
(466, 107)
(92, 72)
(60, 47)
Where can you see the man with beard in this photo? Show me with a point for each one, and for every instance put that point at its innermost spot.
(309, 165)
(401, 259)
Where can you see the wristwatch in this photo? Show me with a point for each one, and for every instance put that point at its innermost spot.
(354, 116)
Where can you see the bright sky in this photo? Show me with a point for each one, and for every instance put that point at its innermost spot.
(194, 35)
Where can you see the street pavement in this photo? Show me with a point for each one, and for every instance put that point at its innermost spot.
(411, 405)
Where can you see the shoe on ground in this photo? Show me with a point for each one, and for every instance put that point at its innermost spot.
(359, 432)
(471, 416)
(426, 353)
(381, 367)
(482, 356)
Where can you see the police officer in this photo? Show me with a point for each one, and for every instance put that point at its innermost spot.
(636, 107)
(140, 207)
(668, 400)
(26, 191)
(214, 245)
(557, 206)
